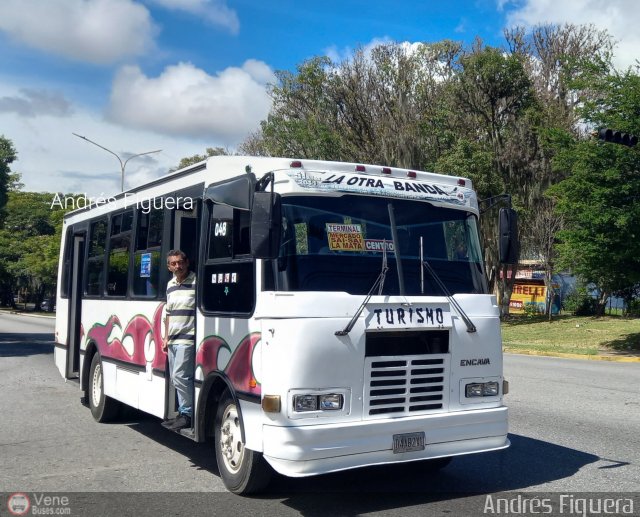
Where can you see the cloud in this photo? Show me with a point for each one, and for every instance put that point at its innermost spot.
(186, 101)
(337, 55)
(461, 27)
(94, 31)
(33, 103)
(51, 159)
(620, 18)
(215, 12)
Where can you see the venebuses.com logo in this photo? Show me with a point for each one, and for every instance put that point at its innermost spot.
(18, 503)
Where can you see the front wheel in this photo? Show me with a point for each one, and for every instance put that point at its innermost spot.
(243, 471)
(103, 408)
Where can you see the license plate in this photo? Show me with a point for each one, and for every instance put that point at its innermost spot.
(408, 442)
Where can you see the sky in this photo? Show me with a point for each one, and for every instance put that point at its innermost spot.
(182, 75)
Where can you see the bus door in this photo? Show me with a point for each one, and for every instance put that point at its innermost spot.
(185, 237)
(185, 230)
(75, 307)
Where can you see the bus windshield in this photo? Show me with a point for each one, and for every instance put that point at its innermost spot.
(341, 243)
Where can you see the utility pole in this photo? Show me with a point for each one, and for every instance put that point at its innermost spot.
(122, 164)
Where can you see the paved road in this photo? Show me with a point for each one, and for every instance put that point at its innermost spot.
(575, 426)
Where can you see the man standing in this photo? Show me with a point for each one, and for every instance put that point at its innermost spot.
(179, 331)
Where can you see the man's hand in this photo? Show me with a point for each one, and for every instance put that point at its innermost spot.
(164, 345)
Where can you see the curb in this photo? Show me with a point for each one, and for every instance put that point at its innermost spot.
(610, 358)
(19, 313)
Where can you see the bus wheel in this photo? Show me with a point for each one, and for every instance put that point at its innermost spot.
(103, 408)
(243, 471)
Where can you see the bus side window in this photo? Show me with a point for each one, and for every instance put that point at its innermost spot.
(119, 246)
(95, 257)
(147, 253)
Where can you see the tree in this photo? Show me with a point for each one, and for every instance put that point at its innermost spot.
(381, 106)
(191, 160)
(555, 58)
(29, 247)
(600, 198)
(8, 155)
(494, 97)
(303, 118)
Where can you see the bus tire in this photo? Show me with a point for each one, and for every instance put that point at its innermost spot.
(103, 408)
(242, 470)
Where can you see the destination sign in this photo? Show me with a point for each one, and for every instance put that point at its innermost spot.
(407, 316)
(390, 187)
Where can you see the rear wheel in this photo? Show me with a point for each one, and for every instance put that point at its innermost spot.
(243, 471)
(103, 408)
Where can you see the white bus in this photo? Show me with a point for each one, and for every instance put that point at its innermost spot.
(343, 317)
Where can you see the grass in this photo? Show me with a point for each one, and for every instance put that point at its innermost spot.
(609, 335)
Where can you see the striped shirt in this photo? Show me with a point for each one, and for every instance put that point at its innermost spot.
(181, 310)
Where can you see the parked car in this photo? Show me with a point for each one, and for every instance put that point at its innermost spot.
(45, 305)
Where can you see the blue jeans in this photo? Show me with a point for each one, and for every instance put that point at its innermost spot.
(181, 359)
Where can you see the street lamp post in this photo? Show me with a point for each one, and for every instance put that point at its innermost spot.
(122, 164)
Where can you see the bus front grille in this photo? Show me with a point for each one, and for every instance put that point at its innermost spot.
(406, 385)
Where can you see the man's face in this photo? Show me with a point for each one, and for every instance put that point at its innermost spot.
(178, 266)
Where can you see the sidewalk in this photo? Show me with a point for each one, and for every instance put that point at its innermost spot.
(603, 355)
(21, 312)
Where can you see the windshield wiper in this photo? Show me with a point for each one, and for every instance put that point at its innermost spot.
(425, 263)
(379, 283)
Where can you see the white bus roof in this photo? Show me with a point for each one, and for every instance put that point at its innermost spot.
(295, 175)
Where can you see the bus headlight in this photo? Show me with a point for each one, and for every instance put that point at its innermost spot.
(331, 402)
(319, 402)
(482, 389)
(305, 403)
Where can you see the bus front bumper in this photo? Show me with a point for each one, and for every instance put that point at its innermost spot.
(308, 450)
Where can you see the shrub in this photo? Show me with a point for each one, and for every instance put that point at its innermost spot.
(633, 308)
(532, 310)
(581, 303)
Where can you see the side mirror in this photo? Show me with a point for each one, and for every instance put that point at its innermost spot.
(266, 225)
(508, 244)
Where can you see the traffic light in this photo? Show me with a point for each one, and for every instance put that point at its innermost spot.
(617, 137)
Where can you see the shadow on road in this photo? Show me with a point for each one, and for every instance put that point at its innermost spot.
(15, 345)
(200, 454)
(527, 463)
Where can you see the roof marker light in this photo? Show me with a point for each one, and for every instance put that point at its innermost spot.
(462, 182)
(386, 170)
(411, 174)
(296, 164)
(361, 168)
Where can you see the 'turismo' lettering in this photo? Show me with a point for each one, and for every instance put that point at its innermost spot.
(400, 316)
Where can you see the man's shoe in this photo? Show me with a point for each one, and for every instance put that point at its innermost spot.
(182, 422)
(169, 422)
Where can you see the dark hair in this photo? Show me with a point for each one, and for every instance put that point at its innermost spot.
(177, 253)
